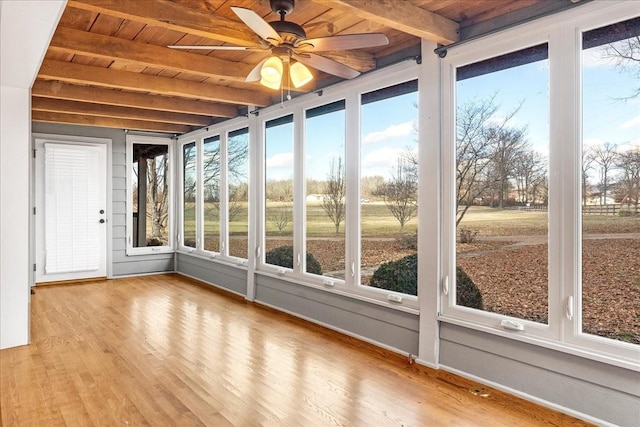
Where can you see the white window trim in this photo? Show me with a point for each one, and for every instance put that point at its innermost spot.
(198, 137)
(563, 32)
(141, 139)
(350, 92)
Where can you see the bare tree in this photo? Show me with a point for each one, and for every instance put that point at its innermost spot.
(157, 188)
(333, 199)
(587, 165)
(605, 156)
(238, 199)
(369, 185)
(625, 54)
(629, 164)
(281, 216)
(475, 134)
(400, 193)
(508, 144)
(530, 172)
(237, 155)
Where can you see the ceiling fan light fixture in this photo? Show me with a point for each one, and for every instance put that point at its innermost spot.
(300, 74)
(271, 73)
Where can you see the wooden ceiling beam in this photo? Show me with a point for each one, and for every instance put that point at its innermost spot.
(100, 110)
(108, 122)
(97, 76)
(403, 16)
(173, 16)
(98, 95)
(69, 40)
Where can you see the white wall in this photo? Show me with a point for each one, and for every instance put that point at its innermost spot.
(26, 28)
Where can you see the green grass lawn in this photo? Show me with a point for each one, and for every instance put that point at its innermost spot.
(510, 222)
(377, 221)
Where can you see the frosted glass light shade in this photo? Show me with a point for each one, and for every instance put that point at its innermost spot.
(300, 75)
(271, 73)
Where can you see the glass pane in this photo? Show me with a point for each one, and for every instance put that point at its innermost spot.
(389, 188)
(189, 195)
(150, 195)
(326, 185)
(279, 191)
(238, 160)
(611, 182)
(211, 196)
(502, 147)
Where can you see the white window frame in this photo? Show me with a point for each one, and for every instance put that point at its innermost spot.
(563, 32)
(142, 139)
(350, 92)
(181, 142)
(198, 137)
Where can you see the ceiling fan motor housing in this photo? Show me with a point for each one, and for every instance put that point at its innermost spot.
(282, 7)
(289, 31)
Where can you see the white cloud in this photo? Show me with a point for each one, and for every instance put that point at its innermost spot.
(634, 122)
(393, 131)
(281, 160)
(381, 161)
(588, 142)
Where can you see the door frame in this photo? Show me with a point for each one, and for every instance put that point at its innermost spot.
(70, 139)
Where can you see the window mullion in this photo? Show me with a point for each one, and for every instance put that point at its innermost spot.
(352, 163)
(299, 186)
(224, 194)
(199, 195)
(562, 193)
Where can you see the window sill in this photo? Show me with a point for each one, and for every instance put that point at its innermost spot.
(288, 276)
(217, 258)
(610, 359)
(147, 251)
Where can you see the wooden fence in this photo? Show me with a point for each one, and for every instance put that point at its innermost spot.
(606, 210)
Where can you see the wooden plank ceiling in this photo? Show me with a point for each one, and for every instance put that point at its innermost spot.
(108, 63)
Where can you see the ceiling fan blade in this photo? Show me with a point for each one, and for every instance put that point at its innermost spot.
(255, 75)
(327, 65)
(258, 25)
(343, 42)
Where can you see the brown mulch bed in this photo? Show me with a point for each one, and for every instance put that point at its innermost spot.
(514, 283)
(513, 280)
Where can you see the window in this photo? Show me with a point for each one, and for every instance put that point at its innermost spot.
(189, 191)
(238, 197)
(610, 285)
(544, 240)
(501, 157)
(389, 188)
(211, 193)
(278, 208)
(325, 204)
(215, 204)
(149, 195)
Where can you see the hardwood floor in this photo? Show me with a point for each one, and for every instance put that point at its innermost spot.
(164, 350)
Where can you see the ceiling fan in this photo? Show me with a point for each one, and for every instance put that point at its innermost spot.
(290, 48)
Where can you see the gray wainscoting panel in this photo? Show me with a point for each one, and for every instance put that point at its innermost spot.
(122, 264)
(219, 274)
(141, 264)
(596, 389)
(387, 326)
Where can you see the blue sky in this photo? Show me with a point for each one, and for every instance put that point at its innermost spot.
(387, 127)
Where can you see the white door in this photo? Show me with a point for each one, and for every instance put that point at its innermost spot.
(70, 209)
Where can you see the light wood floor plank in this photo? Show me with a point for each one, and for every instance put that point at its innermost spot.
(164, 350)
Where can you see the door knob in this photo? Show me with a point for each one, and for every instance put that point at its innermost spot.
(101, 221)
(101, 211)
